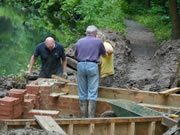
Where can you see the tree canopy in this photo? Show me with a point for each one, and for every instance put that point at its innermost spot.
(30, 21)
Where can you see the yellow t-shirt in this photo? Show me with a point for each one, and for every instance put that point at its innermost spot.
(107, 65)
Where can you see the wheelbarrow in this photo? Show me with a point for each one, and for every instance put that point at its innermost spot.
(126, 108)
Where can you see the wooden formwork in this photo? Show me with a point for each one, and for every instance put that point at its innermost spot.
(155, 100)
(98, 126)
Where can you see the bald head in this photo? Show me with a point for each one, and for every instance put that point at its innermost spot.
(50, 43)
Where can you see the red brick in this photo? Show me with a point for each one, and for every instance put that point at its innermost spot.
(28, 105)
(74, 104)
(9, 101)
(6, 108)
(77, 114)
(5, 117)
(65, 99)
(74, 100)
(32, 96)
(37, 106)
(16, 95)
(27, 102)
(45, 89)
(27, 116)
(63, 107)
(4, 112)
(65, 103)
(19, 90)
(53, 100)
(33, 89)
(75, 108)
(52, 107)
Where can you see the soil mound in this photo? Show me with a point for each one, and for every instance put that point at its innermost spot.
(166, 59)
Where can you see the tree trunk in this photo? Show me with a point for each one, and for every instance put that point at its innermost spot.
(148, 3)
(175, 19)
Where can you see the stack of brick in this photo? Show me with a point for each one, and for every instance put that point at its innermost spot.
(31, 99)
(17, 93)
(10, 108)
(33, 92)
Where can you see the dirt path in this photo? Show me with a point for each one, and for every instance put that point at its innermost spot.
(143, 47)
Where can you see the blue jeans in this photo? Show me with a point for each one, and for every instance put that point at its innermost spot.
(88, 80)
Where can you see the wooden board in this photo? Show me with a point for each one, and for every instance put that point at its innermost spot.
(139, 96)
(49, 124)
(57, 94)
(170, 91)
(71, 63)
(60, 78)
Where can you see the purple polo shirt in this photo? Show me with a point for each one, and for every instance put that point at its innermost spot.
(89, 48)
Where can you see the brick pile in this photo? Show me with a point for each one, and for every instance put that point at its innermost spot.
(11, 106)
(25, 103)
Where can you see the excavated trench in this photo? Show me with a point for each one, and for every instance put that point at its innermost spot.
(139, 63)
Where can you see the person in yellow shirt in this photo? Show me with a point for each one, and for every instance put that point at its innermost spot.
(107, 65)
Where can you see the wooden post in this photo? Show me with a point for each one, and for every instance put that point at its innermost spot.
(91, 129)
(70, 129)
(131, 128)
(111, 130)
(151, 128)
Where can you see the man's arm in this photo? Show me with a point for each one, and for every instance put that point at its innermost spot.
(109, 49)
(64, 64)
(32, 61)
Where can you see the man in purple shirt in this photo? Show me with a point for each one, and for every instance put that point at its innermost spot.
(87, 52)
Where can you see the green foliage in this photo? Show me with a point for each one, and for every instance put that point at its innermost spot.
(105, 14)
(156, 18)
(67, 19)
(19, 42)
(157, 25)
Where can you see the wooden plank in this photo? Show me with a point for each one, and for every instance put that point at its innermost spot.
(131, 128)
(92, 129)
(170, 91)
(19, 122)
(111, 129)
(146, 97)
(49, 124)
(151, 128)
(70, 129)
(60, 78)
(72, 63)
(57, 94)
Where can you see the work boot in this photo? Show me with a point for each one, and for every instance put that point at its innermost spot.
(91, 109)
(83, 108)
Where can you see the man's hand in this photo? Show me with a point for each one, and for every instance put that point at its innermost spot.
(65, 75)
(27, 73)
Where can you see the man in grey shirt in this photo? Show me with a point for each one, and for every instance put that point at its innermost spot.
(87, 52)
